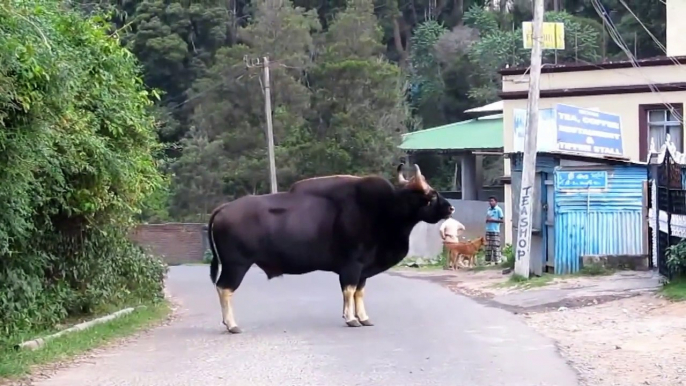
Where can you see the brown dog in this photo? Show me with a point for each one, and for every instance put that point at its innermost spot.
(467, 249)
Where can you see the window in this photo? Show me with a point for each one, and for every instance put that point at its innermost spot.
(662, 122)
(655, 121)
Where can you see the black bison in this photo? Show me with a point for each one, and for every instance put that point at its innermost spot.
(354, 226)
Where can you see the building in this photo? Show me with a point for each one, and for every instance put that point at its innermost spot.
(469, 141)
(584, 209)
(648, 96)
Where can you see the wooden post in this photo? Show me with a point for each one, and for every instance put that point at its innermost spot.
(525, 221)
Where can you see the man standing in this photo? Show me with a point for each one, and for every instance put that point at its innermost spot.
(494, 217)
(450, 230)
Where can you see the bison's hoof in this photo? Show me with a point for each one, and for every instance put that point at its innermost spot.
(353, 323)
(366, 323)
(233, 330)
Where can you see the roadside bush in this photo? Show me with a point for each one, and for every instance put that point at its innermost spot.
(77, 146)
(207, 256)
(508, 256)
(676, 259)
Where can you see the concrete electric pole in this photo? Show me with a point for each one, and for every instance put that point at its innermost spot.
(268, 115)
(524, 223)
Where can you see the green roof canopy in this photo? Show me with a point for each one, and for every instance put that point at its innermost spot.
(475, 134)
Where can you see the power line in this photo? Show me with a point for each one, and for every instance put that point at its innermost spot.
(211, 88)
(617, 38)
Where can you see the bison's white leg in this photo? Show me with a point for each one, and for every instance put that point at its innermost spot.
(360, 310)
(225, 297)
(349, 306)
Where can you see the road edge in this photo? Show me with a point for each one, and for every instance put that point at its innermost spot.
(47, 370)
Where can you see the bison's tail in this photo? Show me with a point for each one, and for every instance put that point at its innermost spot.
(214, 265)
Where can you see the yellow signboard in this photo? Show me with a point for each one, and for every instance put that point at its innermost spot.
(553, 35)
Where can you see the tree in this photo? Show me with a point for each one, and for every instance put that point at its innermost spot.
(200, 168)
(176, 42)
(359, 96)
(228, 106)
(499, 47)
(425, 73)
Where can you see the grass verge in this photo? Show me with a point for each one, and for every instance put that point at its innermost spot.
(547, 278)
(14, 363)
(595, 270)
(675, 290)
(524, 283)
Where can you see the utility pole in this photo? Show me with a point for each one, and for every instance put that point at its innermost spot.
(524, 223)
(268, 114)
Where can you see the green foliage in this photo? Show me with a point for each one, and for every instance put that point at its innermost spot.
(207, 256)
(482, 19)
(77, 139)
(175, 42)
(498, 48)
(358, 95)
(508, 256)
(676, 259)
(675, 290)
(652, 16)
(595, 270)
(495, 49)
(339, 111)
(425, 69)
(583, 39)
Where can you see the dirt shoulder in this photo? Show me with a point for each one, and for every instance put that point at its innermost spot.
(615, 330)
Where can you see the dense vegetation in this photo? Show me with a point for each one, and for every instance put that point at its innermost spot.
(77, 140)
(86, 148)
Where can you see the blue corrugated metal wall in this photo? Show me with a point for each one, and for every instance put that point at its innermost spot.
(611, 223)
(544, 162)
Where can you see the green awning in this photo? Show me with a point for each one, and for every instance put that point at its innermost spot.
(475, 134)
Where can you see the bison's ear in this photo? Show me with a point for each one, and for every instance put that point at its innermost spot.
(401, 178)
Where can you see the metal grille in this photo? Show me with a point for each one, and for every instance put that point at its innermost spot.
(671, 198)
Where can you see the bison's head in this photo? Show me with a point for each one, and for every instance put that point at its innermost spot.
(421, 199)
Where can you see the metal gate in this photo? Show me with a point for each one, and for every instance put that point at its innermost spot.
(671, 200)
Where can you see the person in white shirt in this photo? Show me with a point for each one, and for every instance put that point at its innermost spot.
(450, 230)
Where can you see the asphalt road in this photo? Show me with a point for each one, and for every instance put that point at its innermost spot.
(293, 334)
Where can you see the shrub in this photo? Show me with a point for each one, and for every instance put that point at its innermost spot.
(77, 142)
(676, 259)
(207, 256)
(508, 256)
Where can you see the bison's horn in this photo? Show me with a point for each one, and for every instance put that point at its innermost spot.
(401, 178)
(420, 179)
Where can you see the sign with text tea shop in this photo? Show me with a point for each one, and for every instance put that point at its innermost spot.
(588, 132)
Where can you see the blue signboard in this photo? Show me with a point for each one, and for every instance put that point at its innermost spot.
(589, 132)
(581, 180)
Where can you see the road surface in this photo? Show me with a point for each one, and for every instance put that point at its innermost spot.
(293, 335)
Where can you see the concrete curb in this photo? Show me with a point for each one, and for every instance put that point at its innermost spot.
(40, 342)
